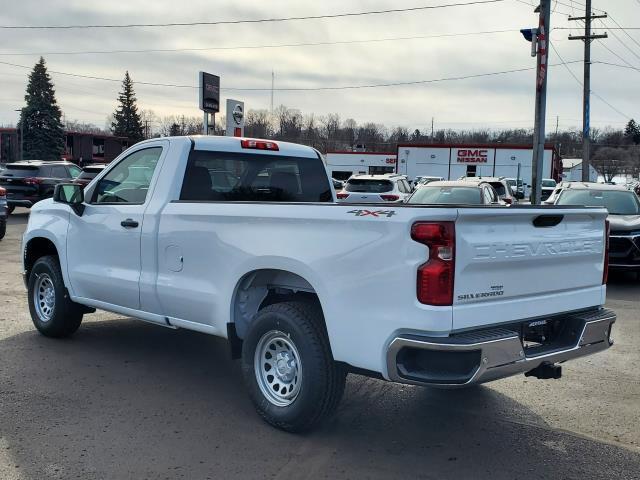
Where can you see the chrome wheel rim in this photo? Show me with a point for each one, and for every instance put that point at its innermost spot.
(278, 368)
(44, 297)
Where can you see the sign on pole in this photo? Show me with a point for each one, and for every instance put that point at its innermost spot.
(209, 92)
(235, 118)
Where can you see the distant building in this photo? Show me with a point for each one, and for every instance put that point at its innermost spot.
(90, 147)
(572, 170)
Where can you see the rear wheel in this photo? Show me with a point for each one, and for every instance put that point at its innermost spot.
(52, 311)
(10, 209)
(288, 368)
(3, 228)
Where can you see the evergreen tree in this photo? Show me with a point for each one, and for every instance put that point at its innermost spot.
(632, 132)
(126, 119)
(41, 117)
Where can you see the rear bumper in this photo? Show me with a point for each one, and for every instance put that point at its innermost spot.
(480, 356)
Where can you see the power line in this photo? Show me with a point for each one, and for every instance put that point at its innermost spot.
(301, 89)
(261, 20)
(251, 47)
(566, 65)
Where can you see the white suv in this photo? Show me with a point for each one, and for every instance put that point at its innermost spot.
(375, 189)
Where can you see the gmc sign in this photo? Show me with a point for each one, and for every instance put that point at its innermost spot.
(472, 156)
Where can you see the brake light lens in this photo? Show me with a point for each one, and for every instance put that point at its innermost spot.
(390, 198)
(507, 200)
(3, 192)
(32, 181)
(605, 267)
(342, 195)
(259, 144)
(436, 276)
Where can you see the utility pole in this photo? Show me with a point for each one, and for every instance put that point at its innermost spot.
(586, 84)
(272, 82)
(542, 54)
(431, 129)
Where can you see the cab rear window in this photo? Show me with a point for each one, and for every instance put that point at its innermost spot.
(241, 177)
(361, 185)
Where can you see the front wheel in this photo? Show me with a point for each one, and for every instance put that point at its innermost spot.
(52, 311)
(288, 368)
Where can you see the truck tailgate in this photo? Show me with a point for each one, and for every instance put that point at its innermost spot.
(527, 262)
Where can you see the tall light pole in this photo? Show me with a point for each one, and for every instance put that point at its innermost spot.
(21, 134)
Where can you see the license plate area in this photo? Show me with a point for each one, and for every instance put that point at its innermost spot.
(547, 335)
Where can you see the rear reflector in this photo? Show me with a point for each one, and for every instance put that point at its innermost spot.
(259, 144)
(390, 198)
(605, 267)
(342, 196)
(436, 276)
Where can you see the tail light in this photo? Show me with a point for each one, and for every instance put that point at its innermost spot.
(507, 200)
(605, 267)
(32, 181)
(390, 198)
(259, 144)
(436, 276)
(3, 192)
(342, 195)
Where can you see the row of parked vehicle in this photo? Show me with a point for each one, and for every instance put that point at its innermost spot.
(27, 182)
(435, 190)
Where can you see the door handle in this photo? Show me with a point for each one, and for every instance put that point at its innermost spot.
(129, 223)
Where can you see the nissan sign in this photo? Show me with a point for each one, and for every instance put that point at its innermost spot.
(209, 92)
(472, 155)
(235, 118)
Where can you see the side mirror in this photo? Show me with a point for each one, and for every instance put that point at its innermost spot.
(70, 194)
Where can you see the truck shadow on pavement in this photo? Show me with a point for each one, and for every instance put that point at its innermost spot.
(123, 399)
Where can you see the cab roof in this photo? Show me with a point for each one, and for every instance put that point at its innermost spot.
(233, 144)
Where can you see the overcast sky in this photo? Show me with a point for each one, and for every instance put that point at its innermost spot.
(494, 101)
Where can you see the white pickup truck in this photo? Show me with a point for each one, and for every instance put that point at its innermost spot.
(243, 239)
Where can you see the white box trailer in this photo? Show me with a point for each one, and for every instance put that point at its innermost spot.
(341, 165)
(452, 161)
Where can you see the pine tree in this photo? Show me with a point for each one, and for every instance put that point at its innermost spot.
(126, 119)
(41, 117)
(632, 132)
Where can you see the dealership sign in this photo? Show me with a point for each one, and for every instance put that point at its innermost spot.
(235, 118)
(209, 92)
(471, 155)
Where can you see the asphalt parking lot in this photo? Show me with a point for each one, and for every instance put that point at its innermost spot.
(123, 399)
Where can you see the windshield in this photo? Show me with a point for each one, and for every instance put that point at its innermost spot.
(616, 201)
(549, 183)
(499, 187)
(20, 171)
(360, 185)
(446, 195)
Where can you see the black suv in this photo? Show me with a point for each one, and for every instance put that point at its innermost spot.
(30, 181)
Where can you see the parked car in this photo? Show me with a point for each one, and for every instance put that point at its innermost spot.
(30, 181)
(375, 189)
(306, 289)
(624, 218)
(517, 187)
(547, 188)
(3, 212)
(88, 173)
(455, 192)
(500, 184)
(423, 180)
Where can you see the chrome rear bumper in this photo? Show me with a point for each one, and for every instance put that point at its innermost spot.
(489, 354)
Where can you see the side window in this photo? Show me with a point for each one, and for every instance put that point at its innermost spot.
(488, 195)
(74, 171)
(407, 186)
(129, 180)
(238, 177)
(58, 171)
(401, 186)
(45, 171)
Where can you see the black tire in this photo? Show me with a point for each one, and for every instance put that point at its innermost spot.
(64, 316)
(3, 228)
(322, 380)
(10, 209)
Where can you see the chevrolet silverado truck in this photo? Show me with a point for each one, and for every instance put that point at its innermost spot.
(244, 239)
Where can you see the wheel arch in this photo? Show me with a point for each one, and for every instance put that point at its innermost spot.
(261, 287)
(35, 248)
